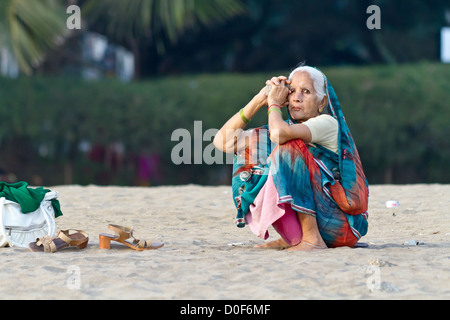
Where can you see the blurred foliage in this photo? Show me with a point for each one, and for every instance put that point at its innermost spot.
(31, 28)
(156, 19)
(278, 34)
(398, 116)
(179, 36)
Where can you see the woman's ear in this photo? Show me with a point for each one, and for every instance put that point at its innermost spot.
(323, 104)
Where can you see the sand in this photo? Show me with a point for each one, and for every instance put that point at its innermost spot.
(207, 257)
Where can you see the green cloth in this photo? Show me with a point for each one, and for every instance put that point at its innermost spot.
(28, 198)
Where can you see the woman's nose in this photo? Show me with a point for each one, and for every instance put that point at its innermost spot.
(298, 96)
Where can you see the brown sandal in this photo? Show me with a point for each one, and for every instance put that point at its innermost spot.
(63, 239)
(122, 234)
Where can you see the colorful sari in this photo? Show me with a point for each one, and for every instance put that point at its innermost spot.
(309, 179)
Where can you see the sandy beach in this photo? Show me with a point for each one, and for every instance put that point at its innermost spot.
(207, 257)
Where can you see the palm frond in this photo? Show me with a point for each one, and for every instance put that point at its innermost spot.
(33, 28)
(151, 17)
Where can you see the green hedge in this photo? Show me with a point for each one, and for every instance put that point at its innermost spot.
(398, 116)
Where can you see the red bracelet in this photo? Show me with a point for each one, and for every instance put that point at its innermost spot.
(274, 105)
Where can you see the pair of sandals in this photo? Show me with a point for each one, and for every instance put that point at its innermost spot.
(79, 239)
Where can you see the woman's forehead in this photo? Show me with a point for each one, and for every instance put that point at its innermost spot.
(301, 78)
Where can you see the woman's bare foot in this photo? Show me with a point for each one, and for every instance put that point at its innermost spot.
(311, 240)
(276, 244)
(307, 246)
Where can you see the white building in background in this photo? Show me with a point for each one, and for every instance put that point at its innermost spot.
(101, 58)
(445, 39)
(8, 64)
(445, 44)
(124, 64)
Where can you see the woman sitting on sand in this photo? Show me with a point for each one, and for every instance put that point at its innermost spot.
(303, 176)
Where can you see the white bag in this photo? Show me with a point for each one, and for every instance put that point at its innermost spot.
(19, 229)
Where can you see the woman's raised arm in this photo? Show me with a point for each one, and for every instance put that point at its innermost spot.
(228, 137)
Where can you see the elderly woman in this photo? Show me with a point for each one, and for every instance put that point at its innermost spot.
(302, 176)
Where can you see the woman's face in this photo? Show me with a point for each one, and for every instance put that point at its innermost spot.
(303, 101)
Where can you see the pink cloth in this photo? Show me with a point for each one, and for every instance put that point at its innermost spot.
(266, 211)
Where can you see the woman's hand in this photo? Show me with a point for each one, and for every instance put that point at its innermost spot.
(261, 98)
(279, 91)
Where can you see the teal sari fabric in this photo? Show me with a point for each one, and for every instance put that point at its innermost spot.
(250, 171)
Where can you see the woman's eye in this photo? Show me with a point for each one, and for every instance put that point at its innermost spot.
(305, 91)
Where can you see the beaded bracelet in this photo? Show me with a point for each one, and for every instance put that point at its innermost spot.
(241, 113)
(274, 104)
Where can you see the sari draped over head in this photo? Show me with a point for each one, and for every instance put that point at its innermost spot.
(310, 178)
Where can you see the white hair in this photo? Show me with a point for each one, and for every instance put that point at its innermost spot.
(317, 77)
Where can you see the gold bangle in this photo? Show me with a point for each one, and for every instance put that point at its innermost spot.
(241, 113)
